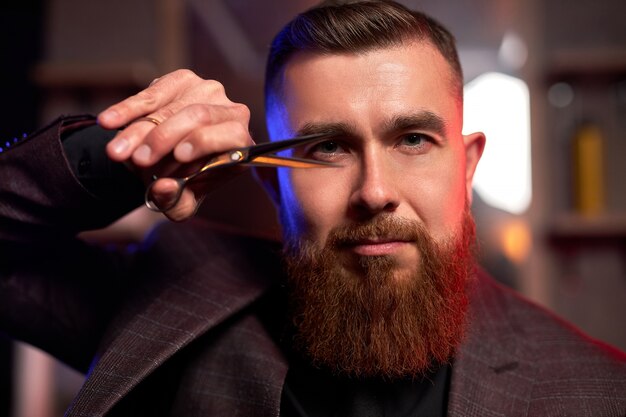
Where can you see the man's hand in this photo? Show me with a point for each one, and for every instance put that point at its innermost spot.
(195, 120)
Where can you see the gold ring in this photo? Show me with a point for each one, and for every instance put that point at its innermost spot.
(147, 119)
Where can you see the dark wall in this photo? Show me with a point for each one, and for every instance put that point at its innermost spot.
(20, 49)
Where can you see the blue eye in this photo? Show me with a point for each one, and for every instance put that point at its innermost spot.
(414, 139)
(415, 143)
(327, 147)
(326, 150)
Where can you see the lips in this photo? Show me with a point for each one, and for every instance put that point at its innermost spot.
(377, 246)
(383, 235)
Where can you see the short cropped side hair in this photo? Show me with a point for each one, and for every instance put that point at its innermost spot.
(353, 27)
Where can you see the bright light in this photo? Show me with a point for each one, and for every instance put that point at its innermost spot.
(516, 241)
(498, 105)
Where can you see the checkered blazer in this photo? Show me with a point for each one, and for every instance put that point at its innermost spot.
(182, 326)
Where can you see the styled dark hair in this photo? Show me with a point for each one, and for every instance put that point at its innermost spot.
(357, 26)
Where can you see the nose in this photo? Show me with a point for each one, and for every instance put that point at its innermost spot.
(376, 188)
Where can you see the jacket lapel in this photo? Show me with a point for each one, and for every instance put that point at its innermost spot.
(491, 375)
(205, 279)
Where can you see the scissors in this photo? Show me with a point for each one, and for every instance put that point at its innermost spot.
(256, 155)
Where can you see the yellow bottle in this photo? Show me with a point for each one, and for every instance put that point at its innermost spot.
(588, 170)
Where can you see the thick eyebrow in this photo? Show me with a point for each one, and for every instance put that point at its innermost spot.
(330, 129)
(423, 120)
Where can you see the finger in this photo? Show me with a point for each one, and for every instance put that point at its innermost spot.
(212, 139)
(186, 207)
(162, 140)
(162, 194)
(160, 93)
(200, 93)
(126, 142)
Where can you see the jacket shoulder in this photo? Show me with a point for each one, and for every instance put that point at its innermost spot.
(520, 354)
(540, 332)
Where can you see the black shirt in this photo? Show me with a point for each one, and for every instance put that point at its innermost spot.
(313, 392)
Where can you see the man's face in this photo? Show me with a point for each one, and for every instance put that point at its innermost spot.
(396, 124)
(377, 250)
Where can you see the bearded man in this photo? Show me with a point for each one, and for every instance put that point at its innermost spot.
(376, 307)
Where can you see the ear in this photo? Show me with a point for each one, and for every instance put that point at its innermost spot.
(268, 178)
(474, 146)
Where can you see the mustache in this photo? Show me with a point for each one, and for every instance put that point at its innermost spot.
(380, 228)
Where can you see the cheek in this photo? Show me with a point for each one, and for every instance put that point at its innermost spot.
(438, 195)
(312, 202)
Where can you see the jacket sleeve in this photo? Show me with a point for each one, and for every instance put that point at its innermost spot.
(56, 292)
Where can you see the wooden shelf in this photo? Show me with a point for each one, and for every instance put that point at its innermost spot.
(605, 228)
(94, 74)
(587, 62)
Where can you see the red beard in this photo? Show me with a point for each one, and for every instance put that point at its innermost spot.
(365, 322)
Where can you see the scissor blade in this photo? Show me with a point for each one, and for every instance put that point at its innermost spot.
(279, 161)
(270, 147)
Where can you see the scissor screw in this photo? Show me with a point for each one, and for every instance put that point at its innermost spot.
(236, 156)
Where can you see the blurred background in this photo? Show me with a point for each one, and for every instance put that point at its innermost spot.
(546, 81)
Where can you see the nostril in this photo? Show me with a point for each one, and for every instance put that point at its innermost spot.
(367, 205)
(390, 206)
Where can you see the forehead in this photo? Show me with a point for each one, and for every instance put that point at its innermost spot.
(377, 84)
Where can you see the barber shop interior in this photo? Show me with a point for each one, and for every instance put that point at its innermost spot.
(545, 81)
